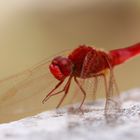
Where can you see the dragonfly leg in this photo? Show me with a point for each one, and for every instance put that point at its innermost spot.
(54, 94)
(75, 93)
(66, 89)
(46, 98)
(83, 91)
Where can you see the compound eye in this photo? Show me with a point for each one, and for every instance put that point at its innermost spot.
(64, 63)
(54, 62)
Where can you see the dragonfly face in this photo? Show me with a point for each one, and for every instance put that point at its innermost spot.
(61, 67)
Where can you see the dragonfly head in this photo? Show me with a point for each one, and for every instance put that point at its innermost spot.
(61, 67)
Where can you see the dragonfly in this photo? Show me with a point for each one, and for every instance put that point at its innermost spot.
(88, 62)
(83, 65)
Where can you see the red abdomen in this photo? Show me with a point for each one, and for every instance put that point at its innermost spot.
(121, 55)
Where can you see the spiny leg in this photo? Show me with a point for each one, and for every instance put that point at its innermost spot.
(55, 94)
(83, 91)
(66, 89)
(57, 86)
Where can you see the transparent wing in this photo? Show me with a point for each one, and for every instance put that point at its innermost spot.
(113, 103)
(91, 87)
(22, 94)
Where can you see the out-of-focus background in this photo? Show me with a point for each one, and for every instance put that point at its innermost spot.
(31, 30)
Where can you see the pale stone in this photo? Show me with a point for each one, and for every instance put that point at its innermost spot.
(59, 124)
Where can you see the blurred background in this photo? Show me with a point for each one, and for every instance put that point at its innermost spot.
(32, 30)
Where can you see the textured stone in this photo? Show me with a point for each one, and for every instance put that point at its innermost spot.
(61, 124)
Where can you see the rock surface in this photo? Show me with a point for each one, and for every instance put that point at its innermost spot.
(91, 125)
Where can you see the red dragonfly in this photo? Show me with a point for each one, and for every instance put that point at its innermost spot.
(83, 64)
(88, 62)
